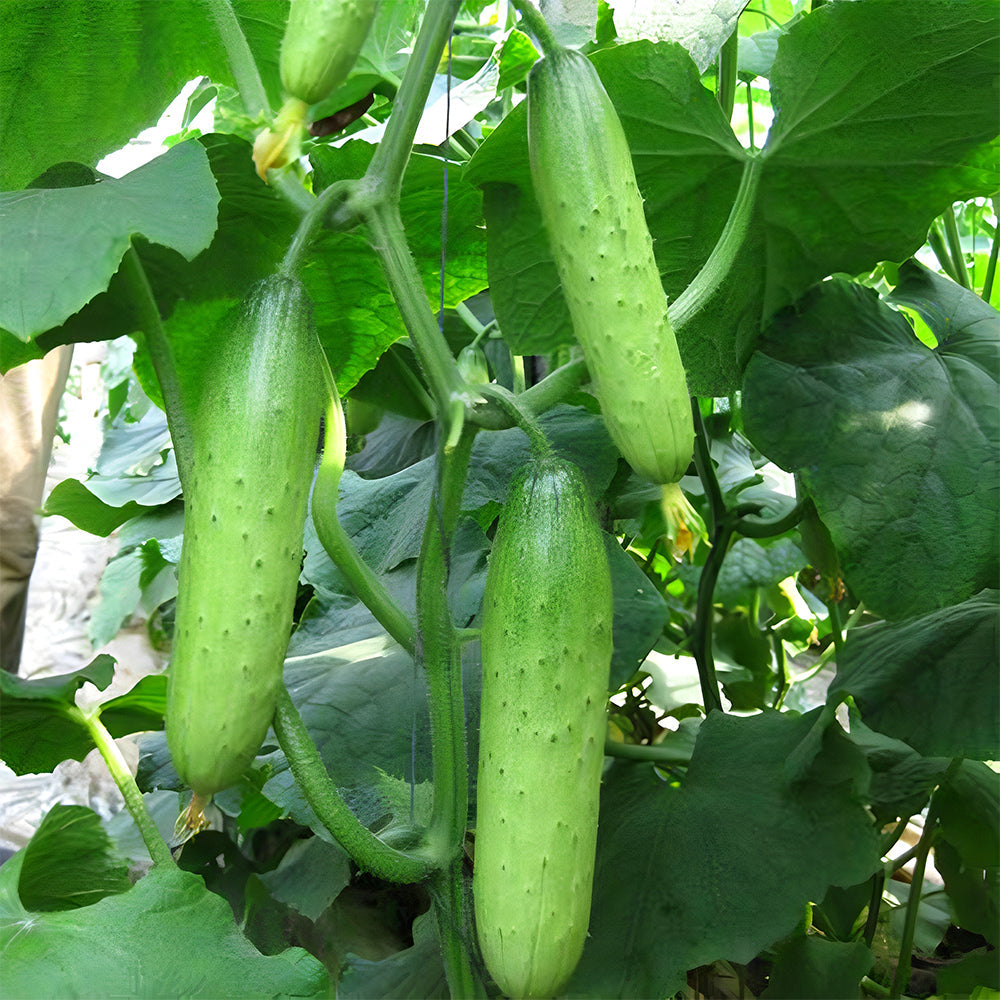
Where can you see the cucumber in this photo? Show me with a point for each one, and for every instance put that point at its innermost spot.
(321, 45)
(582, 173)
(255, 431)
(546, 654)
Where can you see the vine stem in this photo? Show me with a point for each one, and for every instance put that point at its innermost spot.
(241, 60)
(927, 838)
(158, 848)
(538, 26)
(521, 416)
(370, 853)
(162, 357)
(716, 269)
(439, 651)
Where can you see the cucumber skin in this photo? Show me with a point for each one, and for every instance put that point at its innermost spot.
(255, 432)
(584, 181)
(546, 654)
(321, 44)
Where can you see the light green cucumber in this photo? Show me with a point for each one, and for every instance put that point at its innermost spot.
(321, 45)
(582, 173)
(546, 653)
(255, 434)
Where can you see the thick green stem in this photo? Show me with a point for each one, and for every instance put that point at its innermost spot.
(368, 587)
(451, 908)
(927, 838)
(556, 387)
(439, 651)
(655, 753)
(991, 267)
(522, 418)
(716, 269)
(955, 248)
(537, 25)
(158, 848)
(725, 92)
(370, 853)
(162, 356)
(241, 60)
(312, 223)
(384, 177)
(403, 278)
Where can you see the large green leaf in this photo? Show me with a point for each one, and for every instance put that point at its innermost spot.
(722, 866)
(864, 152)
(64, 244)
(168, 936)
(70, 862)
(813, 968)
(80, 78)
(898, 444)
(931, 681)
(42, 725)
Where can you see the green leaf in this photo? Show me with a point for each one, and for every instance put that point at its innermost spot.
(43, 727)
(902, 779)
(896, 443)
(812, 968)
(309, 877)
(751, 564)
(80, 79)
(416, 973)
(969, 812)
(640, 613)
(722, 866)
(931, 681)
(865, 152)
(72, 500)
(168, 936)
(64, 244)
(69, 862)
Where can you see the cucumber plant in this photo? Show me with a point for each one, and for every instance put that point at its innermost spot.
(584, 851)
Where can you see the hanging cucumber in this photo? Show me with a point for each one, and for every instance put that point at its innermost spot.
(255, 430)
(321, 45)
(546, 653)
(590, 204)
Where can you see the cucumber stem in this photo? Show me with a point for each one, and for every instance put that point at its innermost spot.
(716, 269)
(927, 838)
(370, 853)
(439, 651)
(312, 223)
(158, 848)
(241, 60)
(162, 356)
(389, 241)
(541, 397)
(384, 176)
(338, 544)
(520, 415)
(538, 26)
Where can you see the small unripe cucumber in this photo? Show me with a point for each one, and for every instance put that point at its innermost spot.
(321, 45)
(546, 653)
(255, 431)
(590, 204)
